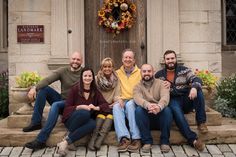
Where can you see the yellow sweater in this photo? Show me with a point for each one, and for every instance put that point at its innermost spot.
(127, 83)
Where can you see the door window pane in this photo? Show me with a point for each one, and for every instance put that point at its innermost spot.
(231, 22)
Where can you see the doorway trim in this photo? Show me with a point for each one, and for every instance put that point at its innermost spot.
(162, 29)
(67, 34)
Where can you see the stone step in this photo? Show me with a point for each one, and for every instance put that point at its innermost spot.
(19, 121)
(217, 134)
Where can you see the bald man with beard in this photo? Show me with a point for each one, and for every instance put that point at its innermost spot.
(152, 112)
(67, 76)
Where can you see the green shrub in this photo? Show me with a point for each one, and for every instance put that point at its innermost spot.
(27, 79)
(4, 96)
(226, 96)
(221, 106)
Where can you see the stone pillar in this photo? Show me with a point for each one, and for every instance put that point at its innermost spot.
(162, 29)
(3, 36)
(67, 31)
(3, 26)
(154, 32)
(59, 29)
(171, 24)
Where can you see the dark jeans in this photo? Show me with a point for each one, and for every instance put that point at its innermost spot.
(45, 94)
(181, 105)
(79, 124)
(147, 121)
(55, 110)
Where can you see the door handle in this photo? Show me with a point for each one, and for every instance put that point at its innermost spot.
(142, 45)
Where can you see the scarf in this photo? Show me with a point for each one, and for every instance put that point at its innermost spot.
(105, 84)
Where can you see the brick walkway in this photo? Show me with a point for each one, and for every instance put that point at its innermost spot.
(221, 150)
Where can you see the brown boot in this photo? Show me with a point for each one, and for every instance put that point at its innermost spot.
(135, 146)
(106, 127)
(124, 144)
(199, 145)
(99, 122)
(202, 128)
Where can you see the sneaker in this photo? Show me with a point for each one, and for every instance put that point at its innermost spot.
(134, 146)
(124, 144)
(146, 148)
(202, 128)
(32, 127)
(165, 148)
(35, 145)
(199, 145)
(62, 148)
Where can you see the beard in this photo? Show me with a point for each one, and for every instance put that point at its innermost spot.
(147, 78)
(74, 66)
(171, 67)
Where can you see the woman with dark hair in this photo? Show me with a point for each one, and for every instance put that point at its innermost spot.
(81, 105)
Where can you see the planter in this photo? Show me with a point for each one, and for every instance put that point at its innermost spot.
(209, 95)
(20, 96)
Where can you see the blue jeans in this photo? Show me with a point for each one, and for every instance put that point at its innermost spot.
(119, 115)
(45, 94)
(55, 110)
(182, 104)
(79, 124)
(147, 121)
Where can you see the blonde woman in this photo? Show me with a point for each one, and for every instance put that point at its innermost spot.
(108, 84)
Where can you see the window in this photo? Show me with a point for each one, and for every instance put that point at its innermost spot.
(3, 25)
(229, 24)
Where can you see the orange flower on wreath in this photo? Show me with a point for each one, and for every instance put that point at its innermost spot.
(117, 15)
(101, 13)
(133, 7)
(126, 16)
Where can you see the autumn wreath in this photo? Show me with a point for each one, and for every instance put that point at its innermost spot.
(117, 15)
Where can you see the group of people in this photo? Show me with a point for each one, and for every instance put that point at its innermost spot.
(136, 100)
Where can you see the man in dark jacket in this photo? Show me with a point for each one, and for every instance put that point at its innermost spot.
(185, 95)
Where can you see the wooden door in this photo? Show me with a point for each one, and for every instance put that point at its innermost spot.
(100, 44)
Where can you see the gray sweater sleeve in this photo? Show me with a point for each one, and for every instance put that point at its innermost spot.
(55, 76)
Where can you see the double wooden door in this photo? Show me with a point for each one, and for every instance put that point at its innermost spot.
(100, 44)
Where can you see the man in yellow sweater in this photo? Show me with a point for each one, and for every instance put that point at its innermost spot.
(129, 75)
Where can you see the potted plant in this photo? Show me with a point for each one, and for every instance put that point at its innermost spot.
(209, 83)
(208, 79)
(19, 93)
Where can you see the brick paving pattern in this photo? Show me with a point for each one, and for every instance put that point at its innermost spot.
(220, 150)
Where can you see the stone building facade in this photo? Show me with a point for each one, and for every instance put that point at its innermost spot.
(193, 28)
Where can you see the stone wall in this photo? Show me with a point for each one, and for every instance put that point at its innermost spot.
(197, 35)
(200, 34)
(28, 57)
